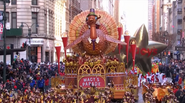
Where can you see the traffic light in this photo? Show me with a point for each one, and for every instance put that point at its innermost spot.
(24, 45)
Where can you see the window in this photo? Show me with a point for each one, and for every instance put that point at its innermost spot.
(34, 2)
(7, 16)
(13, 2)
(14, 20)
(34, 22)
(179, 1)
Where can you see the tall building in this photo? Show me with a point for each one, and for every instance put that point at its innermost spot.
(74, 8)
(116, 11)
(61, 21)
(31, 13)
(157, 16)
(167, 11)
(175, 25)
(153, 17)
(110, 6)
(123, 21)
(171, 23)
(150, 17)
(183, 26)
(183, 17)
(88, 4)
(106, 5)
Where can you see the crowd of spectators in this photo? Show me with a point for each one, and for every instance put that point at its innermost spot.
(22, 76)
(176, 71)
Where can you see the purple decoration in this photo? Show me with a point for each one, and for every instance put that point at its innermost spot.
(93, 41)
(92, 10)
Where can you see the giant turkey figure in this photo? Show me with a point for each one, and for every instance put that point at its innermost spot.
(86, 36)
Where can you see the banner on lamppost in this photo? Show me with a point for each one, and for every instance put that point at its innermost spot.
(1, 25)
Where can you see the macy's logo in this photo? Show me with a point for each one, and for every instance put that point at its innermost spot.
(144, 51)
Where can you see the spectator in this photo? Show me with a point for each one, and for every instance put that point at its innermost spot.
(8, 85)
(177, 78)
(46, 83)
(175, 89)
(32, 82)
(19, 85)
(180, 81)
(179, 94)
(183, 98)
(41, 84)
(173, 78)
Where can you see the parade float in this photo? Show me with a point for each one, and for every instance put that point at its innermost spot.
(92, 41)
(99, 54)
(160, 92)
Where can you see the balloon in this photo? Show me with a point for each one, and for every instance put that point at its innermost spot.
(144, 50)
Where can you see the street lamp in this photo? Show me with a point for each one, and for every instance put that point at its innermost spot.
(29, 35)
(4, 37)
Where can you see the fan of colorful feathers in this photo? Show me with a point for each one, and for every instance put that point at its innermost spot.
(106, 23)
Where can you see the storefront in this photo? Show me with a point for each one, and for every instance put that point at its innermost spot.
(49, 50)
(41, 50)
(36, 50)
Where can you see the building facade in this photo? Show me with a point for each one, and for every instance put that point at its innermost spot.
(165, 6)
(123, 21)
(116, 11)
(88, 4)
(157, 16)
(183, 19)
(61, 22)
(170, 23)
(106, 5)
(154, 18)
(150, 17)
(32, 13)
(175, 27)
(74, 8)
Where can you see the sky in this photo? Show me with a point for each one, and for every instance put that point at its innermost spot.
(136, 14)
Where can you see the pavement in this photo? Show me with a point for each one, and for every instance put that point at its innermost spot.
(140, 99)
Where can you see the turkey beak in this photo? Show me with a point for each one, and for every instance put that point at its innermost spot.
(91, 19)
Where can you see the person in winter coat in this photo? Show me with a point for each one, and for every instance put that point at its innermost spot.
(179, 94)
(19, 85)
(41, 84)
(183, 99)
(173, 78)
(167, 71)
(46, 83)
(177, 78)
(8, 85)
(180, 80)
(32, 83)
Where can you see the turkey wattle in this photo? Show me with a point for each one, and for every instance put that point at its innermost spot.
(94, 39)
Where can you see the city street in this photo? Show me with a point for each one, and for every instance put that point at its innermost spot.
(92, 51)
